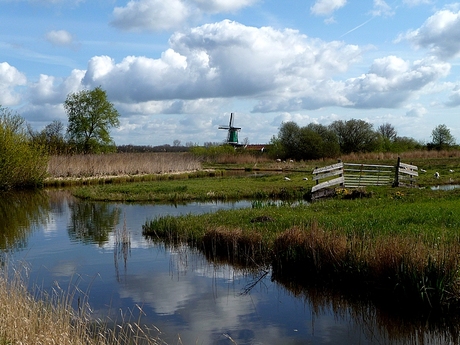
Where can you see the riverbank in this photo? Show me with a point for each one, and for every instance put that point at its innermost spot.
(400, 245)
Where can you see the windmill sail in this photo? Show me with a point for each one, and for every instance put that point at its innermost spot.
(232, 136)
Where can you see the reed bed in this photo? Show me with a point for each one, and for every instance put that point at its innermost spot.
(400, 245)
(50, 318)
(120, 164)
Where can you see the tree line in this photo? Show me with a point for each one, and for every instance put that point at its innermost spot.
(316, 141)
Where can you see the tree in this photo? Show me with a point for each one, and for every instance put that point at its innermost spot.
(442, 138)
(355, 135)
(387, 131)
(90, 117)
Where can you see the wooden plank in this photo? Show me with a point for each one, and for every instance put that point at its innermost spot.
(408, 166)
(326, 175)
(369, 165)
(327, 168)
(370, 171)
(330, 183)
(408, 172)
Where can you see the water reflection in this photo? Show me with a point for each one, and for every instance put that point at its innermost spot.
(92, 222)
(21, 213)
(100, 248)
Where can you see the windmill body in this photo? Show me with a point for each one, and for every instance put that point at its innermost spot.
(232, 136)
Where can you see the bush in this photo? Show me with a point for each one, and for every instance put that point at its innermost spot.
(22, 163)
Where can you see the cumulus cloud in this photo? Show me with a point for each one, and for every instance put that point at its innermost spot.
(392, 81)
(326, 7)
(159, 15)
(59, 38)
(224, 59)
(440, 33)
(10, 78)
(151, 15)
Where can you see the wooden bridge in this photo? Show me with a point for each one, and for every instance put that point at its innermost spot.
(355, 175)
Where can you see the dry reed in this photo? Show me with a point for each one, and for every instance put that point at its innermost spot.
(404, 266)
(120, 164)
(50, 318)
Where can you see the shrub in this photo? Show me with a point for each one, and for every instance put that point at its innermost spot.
(22, 163)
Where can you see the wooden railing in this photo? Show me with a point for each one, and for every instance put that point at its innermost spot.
(355, 175)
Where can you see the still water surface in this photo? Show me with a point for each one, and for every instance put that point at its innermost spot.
(72, 243)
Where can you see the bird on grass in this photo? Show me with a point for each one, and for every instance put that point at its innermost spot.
(451, 171)
(287, 178)
(423, 170)
(305, 178)
(436, 175)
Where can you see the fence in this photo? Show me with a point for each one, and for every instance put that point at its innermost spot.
(355, 175)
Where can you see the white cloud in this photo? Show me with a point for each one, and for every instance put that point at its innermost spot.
(381, 8)
(440, 33)
(59, 38)
(417, 110)
(159, 15)
(217, 6)
(151, 15)
(392, 81)
(326, 7)
(454, 97)
(224, 60)
(10, 78)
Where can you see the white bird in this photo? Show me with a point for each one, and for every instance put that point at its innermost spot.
(436, 175)
(451, 171)
(287, 178)
(422, 170)
(278, 160)
(305, 178)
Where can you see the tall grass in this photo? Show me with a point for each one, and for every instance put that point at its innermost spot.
(49, 318)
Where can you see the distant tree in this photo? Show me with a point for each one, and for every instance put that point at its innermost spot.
(329, 145)
(387, 131)
(51, 137)
(176, 143)
(289, 136)
(90, 117)
(354, 135)
(441, 138)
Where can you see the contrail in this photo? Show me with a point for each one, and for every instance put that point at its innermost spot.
(357, 27)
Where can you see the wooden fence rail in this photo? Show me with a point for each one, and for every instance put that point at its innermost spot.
(355, 175)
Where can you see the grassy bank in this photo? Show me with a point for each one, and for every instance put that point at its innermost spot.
(398, 243)
(263, 179)
(42, 318)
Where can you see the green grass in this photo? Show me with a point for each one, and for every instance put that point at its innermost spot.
(181, 188)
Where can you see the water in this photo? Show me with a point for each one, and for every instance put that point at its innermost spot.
(71, 244)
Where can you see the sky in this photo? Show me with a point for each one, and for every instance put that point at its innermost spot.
(176, 69)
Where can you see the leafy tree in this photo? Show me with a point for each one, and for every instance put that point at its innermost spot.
(328, 144)
(355, 135)
(289, 135)
(90, 117)
(441, 138)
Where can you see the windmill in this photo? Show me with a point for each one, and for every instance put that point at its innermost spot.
(232, 136)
